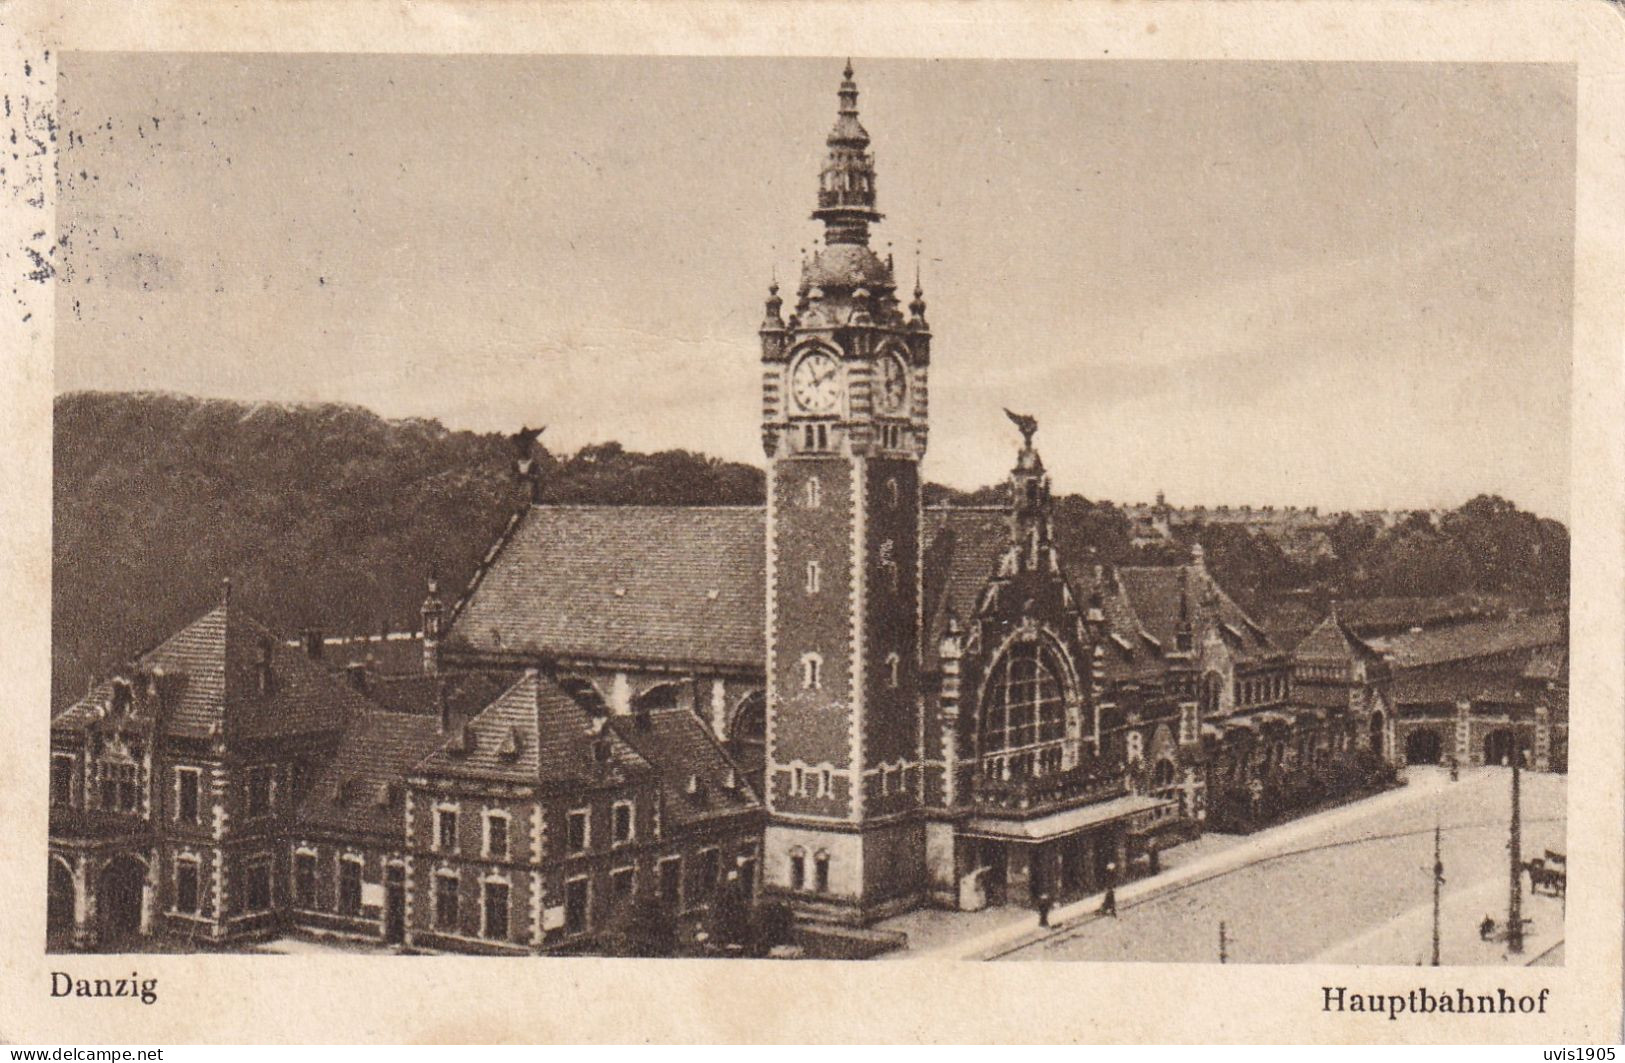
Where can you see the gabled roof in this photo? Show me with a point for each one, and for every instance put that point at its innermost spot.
(679, 584)
(681, 749)
(213, 665)
(371, 765)
(1156, 593)
(534, 732)
(1332, 641)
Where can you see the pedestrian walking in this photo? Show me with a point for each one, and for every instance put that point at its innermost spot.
(1108, 904)
(1043, 909)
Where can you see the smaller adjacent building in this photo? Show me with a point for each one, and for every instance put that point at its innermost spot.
(1475, 692)
(175, 781)
(229, 785)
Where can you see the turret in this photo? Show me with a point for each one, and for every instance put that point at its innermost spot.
(432, 614)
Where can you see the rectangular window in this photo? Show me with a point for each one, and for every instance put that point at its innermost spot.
(621, 882)
(349, 887)
(622, 815)
(445, 830)
(62, 781)
(258, 885)
(445, 902)
(821, 873)
(186, 786)
(577, 899)
(495, 924)
(120, 792)
(576, 831)
(496, 836)
(304, 879)
(709, 871)
(186, 882)
(747, 874)
(798, 871)
(671, 880)
(259, 790)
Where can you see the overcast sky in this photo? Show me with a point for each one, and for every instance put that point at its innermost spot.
(1336, 284)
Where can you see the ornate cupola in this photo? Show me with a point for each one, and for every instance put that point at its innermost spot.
(846, 187)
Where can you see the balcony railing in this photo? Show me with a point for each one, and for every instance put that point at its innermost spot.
(1087, 782)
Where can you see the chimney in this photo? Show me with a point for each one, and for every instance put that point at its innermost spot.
(313, 642)
(356, 672)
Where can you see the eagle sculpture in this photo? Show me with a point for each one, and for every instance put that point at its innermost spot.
(1026, 424)
(524, 440)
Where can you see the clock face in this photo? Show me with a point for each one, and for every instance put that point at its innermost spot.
(815, 383)
(893, 383)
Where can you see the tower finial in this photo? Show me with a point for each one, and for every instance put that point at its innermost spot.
(846, 186)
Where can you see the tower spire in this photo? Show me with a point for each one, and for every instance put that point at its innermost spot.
(846, 186)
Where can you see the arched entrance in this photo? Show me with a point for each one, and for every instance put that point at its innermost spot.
(1423, 747)
(119, 896)
(1379, 734)
(1498, 746)
(59, 901)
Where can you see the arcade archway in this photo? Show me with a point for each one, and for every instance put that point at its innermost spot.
(1423, 747)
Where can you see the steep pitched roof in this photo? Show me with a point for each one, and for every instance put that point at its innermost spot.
(1333, 641)
(681, 584)
(681, 748)
(361, 786)
(214, 665)
(1157, 591)
(534, 732)
(962, 549)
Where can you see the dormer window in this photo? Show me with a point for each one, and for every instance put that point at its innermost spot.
(123, 695)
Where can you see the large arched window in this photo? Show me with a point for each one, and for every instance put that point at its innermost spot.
(1023, 714)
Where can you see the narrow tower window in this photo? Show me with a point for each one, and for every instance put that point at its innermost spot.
(812, 577)
(814, 493)
(812, 667)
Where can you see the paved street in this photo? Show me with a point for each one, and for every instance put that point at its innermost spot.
(1351, 885)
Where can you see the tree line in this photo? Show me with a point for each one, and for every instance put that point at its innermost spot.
(329, 515)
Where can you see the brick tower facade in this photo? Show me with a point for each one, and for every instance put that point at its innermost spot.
(844, 430)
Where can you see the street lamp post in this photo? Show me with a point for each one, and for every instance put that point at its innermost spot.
(1438, 883)
(1515, 845)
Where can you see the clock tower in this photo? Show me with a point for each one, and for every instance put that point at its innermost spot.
(844, 429)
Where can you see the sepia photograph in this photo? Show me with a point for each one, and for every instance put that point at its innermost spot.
(568, 641)
(601, 507)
